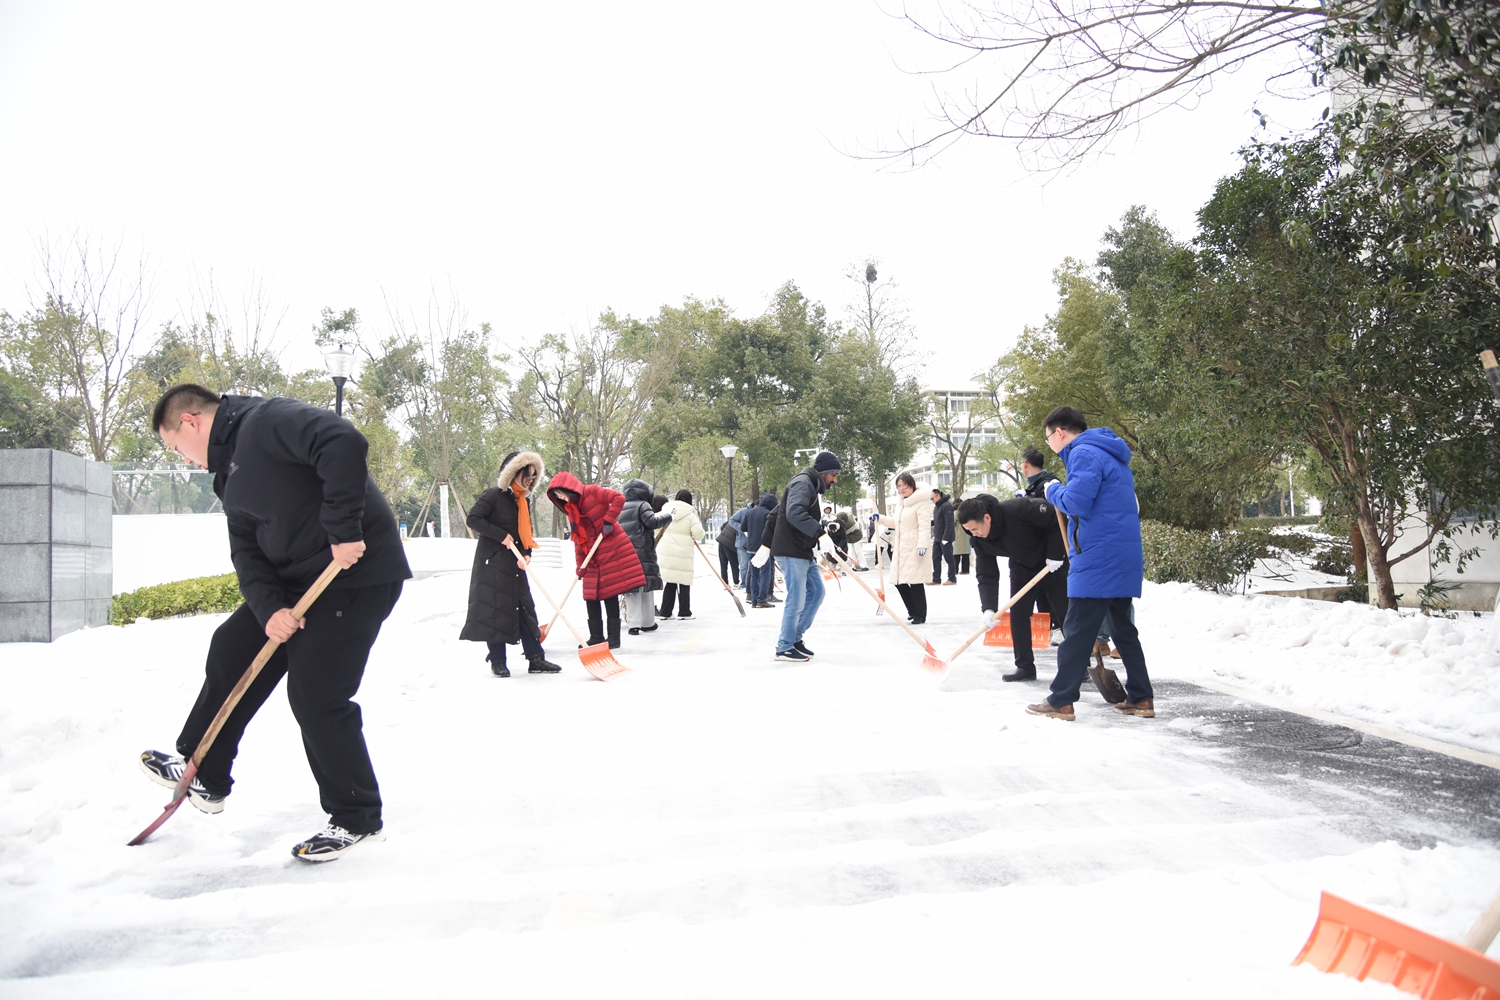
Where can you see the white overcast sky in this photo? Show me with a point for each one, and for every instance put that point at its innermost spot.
(543, 162)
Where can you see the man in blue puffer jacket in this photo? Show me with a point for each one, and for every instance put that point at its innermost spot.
(1104, 540)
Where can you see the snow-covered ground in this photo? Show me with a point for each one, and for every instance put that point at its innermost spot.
(1434, 677)
(717, 824)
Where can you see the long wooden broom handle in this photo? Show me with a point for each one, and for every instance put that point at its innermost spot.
(889, 610)
(261, 659)
(526, 565)
(1008, 605)
(711, 568)
(1062, 526)
(586, 559)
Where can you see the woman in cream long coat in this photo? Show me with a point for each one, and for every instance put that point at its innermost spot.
(909, 528)
(674, 550)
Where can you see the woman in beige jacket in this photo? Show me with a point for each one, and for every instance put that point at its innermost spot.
(909, 527)
(674, 551)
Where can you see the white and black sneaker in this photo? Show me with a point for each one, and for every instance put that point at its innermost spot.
(685, 618)
(166, 770)
(801, 647)
(793, 655)
(331, 842)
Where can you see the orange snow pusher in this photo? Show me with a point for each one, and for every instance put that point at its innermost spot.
(1041, 630)
(547, 628)
(1365, 945)
(1002, 619)
(596, 659)
(930, 661)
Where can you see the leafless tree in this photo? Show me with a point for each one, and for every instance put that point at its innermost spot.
(1062, 77)
(92, 307)
(878, 313)
(591, 395)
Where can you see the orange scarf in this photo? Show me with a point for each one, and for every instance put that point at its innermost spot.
(523, 519)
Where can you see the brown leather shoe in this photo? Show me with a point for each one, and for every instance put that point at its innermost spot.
(1046, 708)
(1145, 708)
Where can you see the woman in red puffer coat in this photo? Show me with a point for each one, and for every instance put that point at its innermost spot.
(593, 511)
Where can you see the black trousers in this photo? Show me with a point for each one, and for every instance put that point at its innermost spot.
(914, 596)
(597, 611)
(963, 563)
(675, 593)
(1054, 587)
(942, 552)
(323, 664)
(729, 563)
(1080, 630)
(530, 645)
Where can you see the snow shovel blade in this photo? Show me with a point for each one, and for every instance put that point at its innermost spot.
(1361, 943)
(932, 662)
(543, 630)
(1107, 683)
(599, 661)
(880, 608)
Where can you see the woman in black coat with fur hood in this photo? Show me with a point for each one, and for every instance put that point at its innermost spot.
(501, 610)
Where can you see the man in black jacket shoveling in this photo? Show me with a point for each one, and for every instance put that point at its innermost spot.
(296, 493)
(1025, 532)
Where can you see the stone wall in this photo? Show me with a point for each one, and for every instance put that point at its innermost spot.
(56, 514)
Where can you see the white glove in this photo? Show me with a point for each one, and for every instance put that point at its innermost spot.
(989, 620)
(1047, 490)
(761, 557)
(947, 542)
(1054, 564)
(921, 550)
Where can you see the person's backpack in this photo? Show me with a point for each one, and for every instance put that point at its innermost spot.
(728, 535)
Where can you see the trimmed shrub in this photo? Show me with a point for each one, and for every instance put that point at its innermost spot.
(1216, 560)
(205, 595)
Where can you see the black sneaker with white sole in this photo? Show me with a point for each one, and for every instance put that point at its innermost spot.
(331, 842)
(166, 770)
(801, 647)
(793, 655)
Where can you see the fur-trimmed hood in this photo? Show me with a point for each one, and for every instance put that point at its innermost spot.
(514, 463)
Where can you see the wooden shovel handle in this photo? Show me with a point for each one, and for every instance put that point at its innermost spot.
(299, 611)
(1008, 605)
(526, 565)
(578, 576)
(894, 617)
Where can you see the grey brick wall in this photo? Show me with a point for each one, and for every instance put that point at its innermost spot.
(56, 526)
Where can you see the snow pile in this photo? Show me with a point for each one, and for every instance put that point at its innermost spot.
(715, 824)
(160, 548)
(1435, 677)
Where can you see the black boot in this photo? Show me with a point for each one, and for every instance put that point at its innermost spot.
(596, 624)
(1020, 674)
(542, 665)
(614, 633)
(497, 665)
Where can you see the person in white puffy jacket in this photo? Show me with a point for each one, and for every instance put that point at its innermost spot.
(674, 552)
(909, 529)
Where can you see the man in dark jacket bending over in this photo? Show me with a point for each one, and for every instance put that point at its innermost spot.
(296, 493)
(1025, 532)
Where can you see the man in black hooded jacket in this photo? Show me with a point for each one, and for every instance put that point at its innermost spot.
(942, 538)
(296, 493)
(1024, 531)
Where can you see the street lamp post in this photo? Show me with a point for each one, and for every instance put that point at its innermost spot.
(729, 451)
(340, 362)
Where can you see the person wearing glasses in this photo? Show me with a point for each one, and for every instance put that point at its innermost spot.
(501, 609)
(1106, 565)
(296, 490)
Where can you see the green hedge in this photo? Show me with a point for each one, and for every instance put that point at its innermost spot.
(205, 595)
(1216, 560)
(1277, 521)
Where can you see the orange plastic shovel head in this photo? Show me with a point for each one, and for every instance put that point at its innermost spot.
(932, 662)
(1365, 945)
(599, 661)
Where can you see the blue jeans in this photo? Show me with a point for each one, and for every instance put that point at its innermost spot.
(744, 555)
(761, 580)
(1085, 615)
(804, 595)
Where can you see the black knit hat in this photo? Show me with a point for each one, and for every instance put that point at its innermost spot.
(827, 461)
